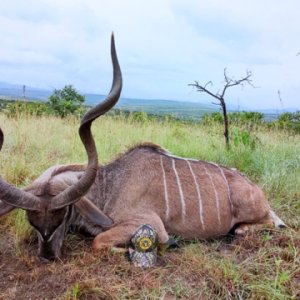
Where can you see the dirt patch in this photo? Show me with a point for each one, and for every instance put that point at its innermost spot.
(205, 269)
(22, 276)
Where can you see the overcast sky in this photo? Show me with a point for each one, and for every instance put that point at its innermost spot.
(163, 45)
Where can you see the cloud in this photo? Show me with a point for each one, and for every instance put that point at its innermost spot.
(162, 46)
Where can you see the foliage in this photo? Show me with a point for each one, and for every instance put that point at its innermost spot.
(243, 137)
(289, 117)
(20, 108)
(67, 101)
(289, 121)
(212, 118)
(238, 118)
(139, 116)
(5, 102)
(246, 117)
(286, 121)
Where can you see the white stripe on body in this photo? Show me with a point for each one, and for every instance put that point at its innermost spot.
(250, 187)
(199, 195)
(167, 212)
(251, 196)
(182, 200)
(187, 158)
(104, 190)
(216, 195)
(178, 157)
(104, 184)
(217, 199)
(227, 184)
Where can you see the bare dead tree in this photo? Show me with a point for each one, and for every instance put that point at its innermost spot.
(280, 100)
(228, 83)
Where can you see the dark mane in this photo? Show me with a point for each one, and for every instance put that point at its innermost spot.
(149, 146)
(146, 146)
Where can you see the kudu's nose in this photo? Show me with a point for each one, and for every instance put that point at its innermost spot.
(47, 259)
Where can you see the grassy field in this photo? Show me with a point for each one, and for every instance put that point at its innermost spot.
(265, 264)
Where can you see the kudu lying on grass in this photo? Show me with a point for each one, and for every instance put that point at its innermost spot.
(146, 185)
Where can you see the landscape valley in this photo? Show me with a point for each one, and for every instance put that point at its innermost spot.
(178, 109)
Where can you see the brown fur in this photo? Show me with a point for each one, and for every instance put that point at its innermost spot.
(72, 168)
(131, 191)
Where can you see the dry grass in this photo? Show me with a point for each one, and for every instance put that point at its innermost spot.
(265, 264)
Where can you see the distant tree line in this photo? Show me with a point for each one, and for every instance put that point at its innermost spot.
(62, 103)
(68, 102)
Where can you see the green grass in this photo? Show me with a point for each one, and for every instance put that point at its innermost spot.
(263, 265)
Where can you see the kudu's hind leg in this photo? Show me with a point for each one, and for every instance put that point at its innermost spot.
(121, 234)
(270, 220)
(276, 220)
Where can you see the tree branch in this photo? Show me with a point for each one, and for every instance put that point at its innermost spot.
(201, 88)
(229, 82)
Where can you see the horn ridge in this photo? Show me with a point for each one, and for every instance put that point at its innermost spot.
(15, 197)
(18, 198)
(1, 138)
(80, 188)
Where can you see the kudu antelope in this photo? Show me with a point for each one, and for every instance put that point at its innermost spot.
(146, 185)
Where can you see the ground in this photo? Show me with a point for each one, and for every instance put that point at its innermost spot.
(262, 265)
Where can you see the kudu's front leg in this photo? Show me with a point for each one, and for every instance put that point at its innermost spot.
(121, 234)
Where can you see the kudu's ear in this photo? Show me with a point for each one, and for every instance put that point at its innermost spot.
(5, 208)
(92, 213)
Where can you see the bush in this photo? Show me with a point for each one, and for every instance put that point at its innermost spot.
(139, 116)
(20, 108)
(289, 121)
(67, 101)
(238, 118)
(246, 117)
(211, 118)
(243, 137)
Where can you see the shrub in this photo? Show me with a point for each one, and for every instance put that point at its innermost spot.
(211, 118)
(246, 117)
(289, 121)
(67, 101)
(139, 116)
(20, 108)
(243, 137)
